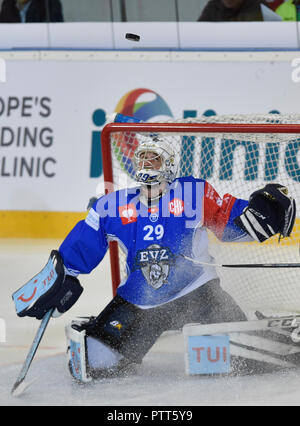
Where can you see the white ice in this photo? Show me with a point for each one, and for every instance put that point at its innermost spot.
(161, 379)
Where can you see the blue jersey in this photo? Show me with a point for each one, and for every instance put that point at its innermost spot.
(155, 239)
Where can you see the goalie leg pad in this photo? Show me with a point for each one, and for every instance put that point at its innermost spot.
(102, 359)
(101, 355)
(76, 342)
(248, 347)
(90, 358)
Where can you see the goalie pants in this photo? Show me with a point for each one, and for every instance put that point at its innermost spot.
(132, 331)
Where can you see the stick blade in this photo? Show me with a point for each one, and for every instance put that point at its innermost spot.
(20, 387)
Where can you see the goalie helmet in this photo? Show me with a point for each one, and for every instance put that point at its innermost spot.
(154, 162)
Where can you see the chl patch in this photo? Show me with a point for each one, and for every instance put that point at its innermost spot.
(176, 207)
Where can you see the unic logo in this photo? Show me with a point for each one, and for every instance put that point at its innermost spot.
(99, 118)
(147, 105)
(252, 159)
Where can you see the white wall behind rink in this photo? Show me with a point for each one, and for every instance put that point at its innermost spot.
(48, 101)
(154, 35)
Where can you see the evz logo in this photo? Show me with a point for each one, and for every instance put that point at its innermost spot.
(155, 262)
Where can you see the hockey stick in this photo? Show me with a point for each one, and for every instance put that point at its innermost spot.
(244, 265)
(20, 385)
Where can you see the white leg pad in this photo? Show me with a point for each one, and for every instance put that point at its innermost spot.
(100, 355)
(77, 353)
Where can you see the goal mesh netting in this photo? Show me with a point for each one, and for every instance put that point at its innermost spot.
(236, 154)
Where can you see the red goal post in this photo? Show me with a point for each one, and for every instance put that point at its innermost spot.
(272, 134)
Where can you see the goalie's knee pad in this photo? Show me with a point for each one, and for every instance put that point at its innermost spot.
(89, 358)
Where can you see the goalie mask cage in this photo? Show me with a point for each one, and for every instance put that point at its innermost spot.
(237, 155)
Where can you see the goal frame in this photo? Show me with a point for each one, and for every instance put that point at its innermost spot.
(169, 127)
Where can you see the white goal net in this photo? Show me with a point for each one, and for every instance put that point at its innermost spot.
(236, 154)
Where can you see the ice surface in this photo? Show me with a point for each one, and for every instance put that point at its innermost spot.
(159, 381)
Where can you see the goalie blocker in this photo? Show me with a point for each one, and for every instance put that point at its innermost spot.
(237, 348)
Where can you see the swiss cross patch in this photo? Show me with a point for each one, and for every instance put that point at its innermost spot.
(176, 206)
(128, 214)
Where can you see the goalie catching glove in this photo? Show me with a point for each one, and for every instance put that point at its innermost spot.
(49, 289)
(270, 211)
